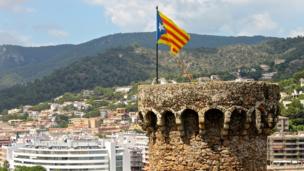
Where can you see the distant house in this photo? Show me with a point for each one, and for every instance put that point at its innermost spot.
(286, 103)
(295, 93)
(13, 111)
(302, 102)
(268, 76)
(163, 81)
(244, 79)
(203, 79)
(14, 122)
(283, 95)
(26, 108)
(282, 125)
(125, 89)
(33, 114)
(54, 106)
(87, 93)
(81, 105)
(302, 82)
(215, 77)
(265, 67)
(279, 61)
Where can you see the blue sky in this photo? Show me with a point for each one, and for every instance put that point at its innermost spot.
(50, 22)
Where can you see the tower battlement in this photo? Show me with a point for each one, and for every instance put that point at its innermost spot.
(220, 124)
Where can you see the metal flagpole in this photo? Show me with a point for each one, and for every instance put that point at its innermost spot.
(157, 25)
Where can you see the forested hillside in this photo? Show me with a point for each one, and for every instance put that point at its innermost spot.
(21, 64)
(122, 66)
(116, 67)
(293, 93)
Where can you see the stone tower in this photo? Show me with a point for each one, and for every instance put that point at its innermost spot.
(209, 126)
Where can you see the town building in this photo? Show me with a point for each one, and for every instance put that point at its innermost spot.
(125, 89)
(4, 140)
(285, 151)
(136, 159)
(84, 122)
(3, 155)
(268, 75)
(286, 103)
(15, 122)
(282, 125)
(301, 82)
(13, 111)
(72, 154)
(135, 141)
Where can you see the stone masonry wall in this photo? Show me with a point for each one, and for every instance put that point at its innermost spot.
(212, 126)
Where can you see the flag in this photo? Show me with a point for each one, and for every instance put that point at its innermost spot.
(170, 34)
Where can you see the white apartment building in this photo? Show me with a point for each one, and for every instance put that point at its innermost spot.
(134, 140)
(70, 155)
(285, 151)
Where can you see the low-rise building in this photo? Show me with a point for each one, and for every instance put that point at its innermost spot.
(285, 151)
(286, 103)
(3, 155)
(13, 111)
(125, 89)
(134, 140)
(136, 159)
(84, 122)
(109, 129)
(5, 140)
(301, 82)
(14, 122)
(282, 124)
(268, 76)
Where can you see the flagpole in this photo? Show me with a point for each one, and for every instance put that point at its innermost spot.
(156, 47)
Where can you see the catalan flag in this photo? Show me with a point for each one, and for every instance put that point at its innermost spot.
(170, 34)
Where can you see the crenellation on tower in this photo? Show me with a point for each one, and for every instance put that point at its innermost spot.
(220, 125)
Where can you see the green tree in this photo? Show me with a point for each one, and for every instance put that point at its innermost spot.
(4, 112)
(62, 121)
(6, 164)
(22, 116)
(92, 113)
(41, 106)
(69, 108)
(294, 108)
(34, 168)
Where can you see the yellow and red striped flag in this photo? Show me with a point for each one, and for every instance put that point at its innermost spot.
(170, 34)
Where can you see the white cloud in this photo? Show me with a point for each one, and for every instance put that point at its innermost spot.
(225, 17)
(57, 33)
(14, 38)
(297, 32)
(258, 24)
(240, 2)
(52, 30)
(15, 6)
(139, 15)
(131, 15)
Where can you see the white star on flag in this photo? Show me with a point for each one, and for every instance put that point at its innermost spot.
(161, 27)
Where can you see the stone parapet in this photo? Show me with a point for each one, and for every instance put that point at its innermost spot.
(217, 124)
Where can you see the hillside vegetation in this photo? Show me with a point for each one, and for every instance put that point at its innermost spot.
(295, 110)
(122, 66)
(21, 64)
(109, 69)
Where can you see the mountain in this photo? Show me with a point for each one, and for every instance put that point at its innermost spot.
(115, 67)
(21, 64)
(123, 66)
